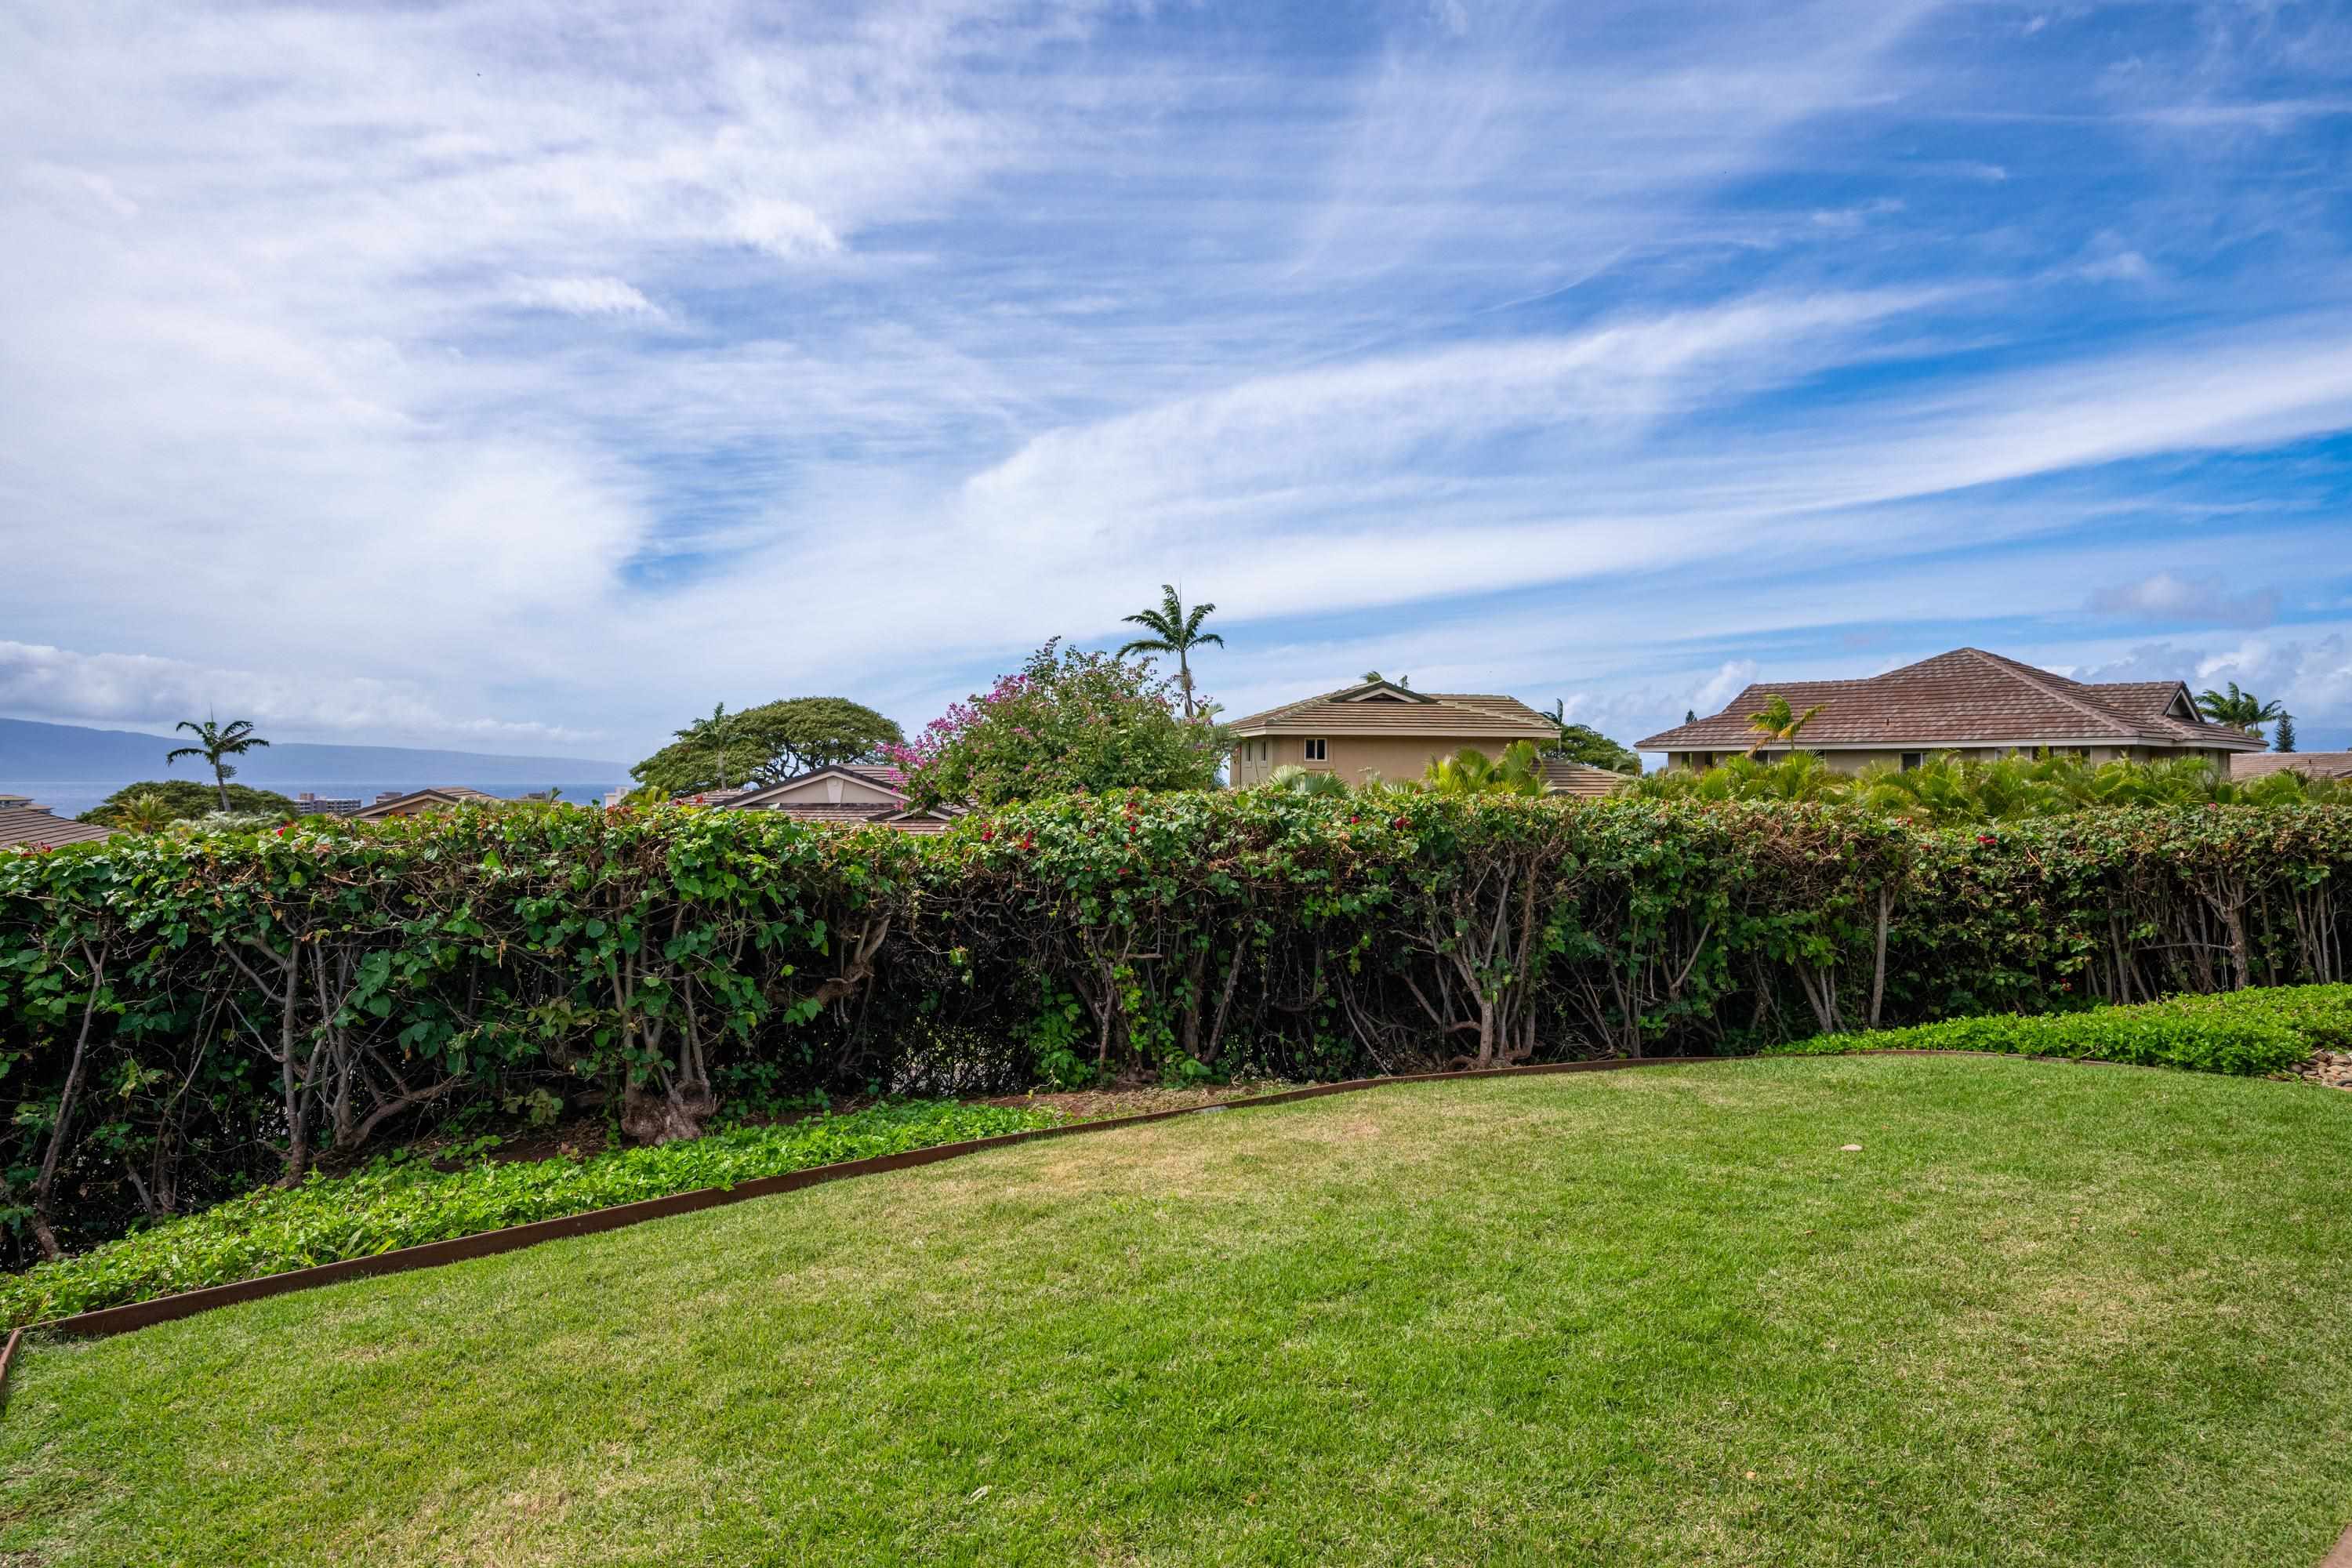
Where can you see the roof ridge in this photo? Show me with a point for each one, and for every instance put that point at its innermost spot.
(2037, 678)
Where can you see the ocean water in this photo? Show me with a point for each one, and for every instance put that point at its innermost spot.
(71, 799)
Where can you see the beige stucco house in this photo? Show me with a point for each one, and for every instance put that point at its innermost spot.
(1971, 703)
(1380, 727)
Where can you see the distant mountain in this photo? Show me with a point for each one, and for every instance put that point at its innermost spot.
(72, 767)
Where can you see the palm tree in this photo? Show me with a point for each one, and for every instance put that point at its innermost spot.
(2240, 709)
(215, 743)
(1471, 772)
(1174, 629)
(1776, 724)
(144, 812)
(1292, 779)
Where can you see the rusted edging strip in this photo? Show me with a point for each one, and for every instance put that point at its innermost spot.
(7, 1362)
(513, 1238)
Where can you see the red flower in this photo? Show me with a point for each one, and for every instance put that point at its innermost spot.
(1398, 823)
(1987, 839)
(986, 833)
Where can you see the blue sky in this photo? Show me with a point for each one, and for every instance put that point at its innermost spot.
(532, 377)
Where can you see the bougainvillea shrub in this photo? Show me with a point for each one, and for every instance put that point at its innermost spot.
(1070, 721)
(186, 1015)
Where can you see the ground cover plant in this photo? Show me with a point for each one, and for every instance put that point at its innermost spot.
(2263, 1030)
(2041, 1316)
(393, 1202)
(186, 1015)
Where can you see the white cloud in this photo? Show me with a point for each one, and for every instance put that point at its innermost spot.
(2168, 596)
(1723, 686)
(62, 685)
(586, 296)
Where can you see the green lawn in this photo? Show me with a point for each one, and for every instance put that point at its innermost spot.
(2045, 1314)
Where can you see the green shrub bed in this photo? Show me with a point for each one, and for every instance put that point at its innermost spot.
(396, 1202)
(2250, 1033)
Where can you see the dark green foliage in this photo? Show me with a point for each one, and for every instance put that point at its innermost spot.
(766, 744)
(398, 1202)
(2266, 1030)
(182, 1017)
(2283, 738)
(1583, 743)
(186, 798)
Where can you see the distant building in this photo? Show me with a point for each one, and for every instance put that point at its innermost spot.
(415, 802)
(327, 806)
(23, 825)
(1969, 703)
(1386, 729)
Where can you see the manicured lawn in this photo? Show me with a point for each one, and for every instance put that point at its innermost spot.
(2046, 1314)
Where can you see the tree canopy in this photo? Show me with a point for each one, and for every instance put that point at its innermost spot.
(160, 801)
(1583, 743)
(1068, 723)
(1174, 629)
(767, 744)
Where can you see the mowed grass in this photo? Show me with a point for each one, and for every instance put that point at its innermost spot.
(2046, 1314)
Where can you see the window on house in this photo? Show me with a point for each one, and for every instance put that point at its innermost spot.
(1911, 760)
(1319, 751)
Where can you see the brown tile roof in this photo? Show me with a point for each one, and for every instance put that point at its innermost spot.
(1563, 776)
(875, 774)
(1964, 698)
(2318, 764)
(1468, 715)
(436, 794)
(38, 827)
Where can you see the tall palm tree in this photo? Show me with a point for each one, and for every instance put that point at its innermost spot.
(216, 742)
(2240, 710)
(1776, 724)
(1174, 629)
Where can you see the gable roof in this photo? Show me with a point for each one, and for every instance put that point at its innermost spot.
(1964, 698)
(1384, 707)
(875, 774)
(38, 827)
(437, 794)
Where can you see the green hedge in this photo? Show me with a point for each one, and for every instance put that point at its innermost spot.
(400, 1203)
(2252, 1032)
(187, 1016)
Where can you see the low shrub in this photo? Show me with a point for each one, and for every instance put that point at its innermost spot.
(2252, 1032)
(400, 1202)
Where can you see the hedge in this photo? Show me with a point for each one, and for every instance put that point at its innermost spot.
(2246, 1032)
(186, 1015)
(394, 1203)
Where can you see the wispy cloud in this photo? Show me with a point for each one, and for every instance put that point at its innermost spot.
(469, 360)
(2175, 600)
(101, 688)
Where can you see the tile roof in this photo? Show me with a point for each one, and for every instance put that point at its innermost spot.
(874, 773)
(1468, 715)
(1564, 776)
(1964, 698)
(2318, 764)
(38, 828)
